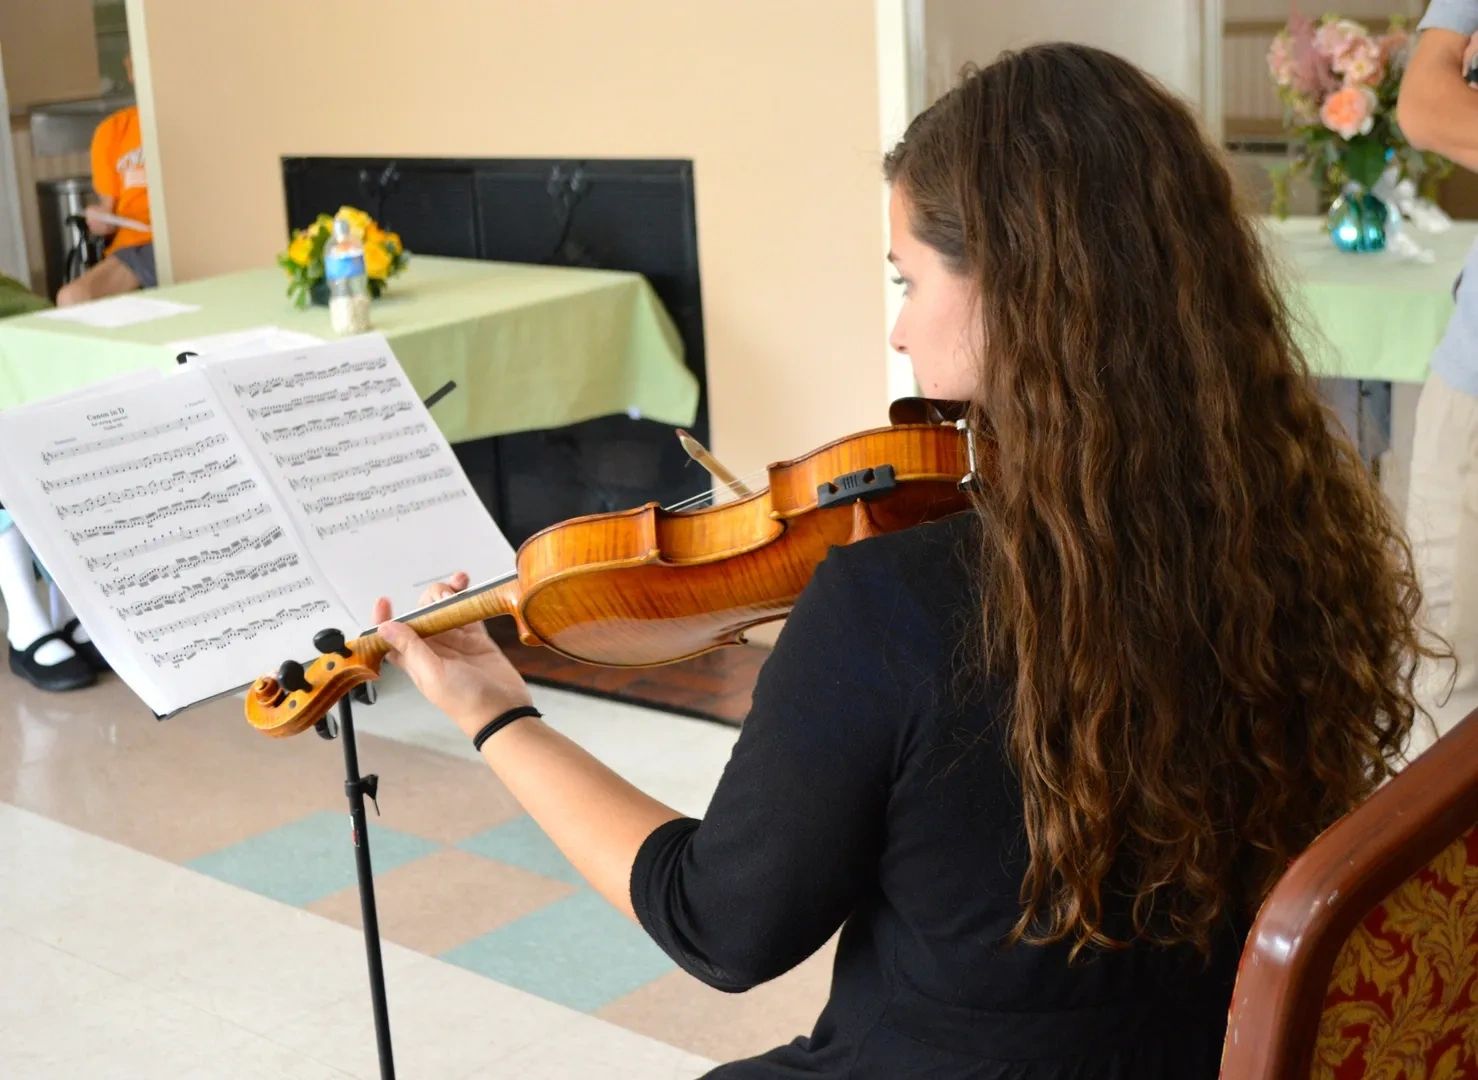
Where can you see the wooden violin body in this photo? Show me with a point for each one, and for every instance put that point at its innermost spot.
(649, 586)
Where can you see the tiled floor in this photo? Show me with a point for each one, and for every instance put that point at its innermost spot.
(118, 964)
(717, 685)
(178, 900)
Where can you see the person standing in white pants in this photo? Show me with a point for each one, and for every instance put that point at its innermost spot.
(1442, 516)
(1438, 110)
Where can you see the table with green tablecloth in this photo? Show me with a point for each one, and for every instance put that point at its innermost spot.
(1371, 316)
(1367, 320)
(530, 347)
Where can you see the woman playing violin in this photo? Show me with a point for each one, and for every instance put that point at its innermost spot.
(1038, 762)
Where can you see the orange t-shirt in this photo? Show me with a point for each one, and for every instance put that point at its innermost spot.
(118, 172)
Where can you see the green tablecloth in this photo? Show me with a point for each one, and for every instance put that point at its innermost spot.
(1368, 316)
(530, 346)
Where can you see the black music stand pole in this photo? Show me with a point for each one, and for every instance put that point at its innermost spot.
(356, 787)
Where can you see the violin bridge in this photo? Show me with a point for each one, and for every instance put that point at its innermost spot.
(852, 486)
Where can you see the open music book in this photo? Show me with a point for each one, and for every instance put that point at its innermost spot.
(205, 523)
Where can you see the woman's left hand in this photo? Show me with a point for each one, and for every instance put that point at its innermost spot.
(462, 672)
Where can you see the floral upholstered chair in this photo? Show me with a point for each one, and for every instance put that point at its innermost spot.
(1363, 962)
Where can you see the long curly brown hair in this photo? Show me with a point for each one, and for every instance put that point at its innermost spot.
(1205, 606)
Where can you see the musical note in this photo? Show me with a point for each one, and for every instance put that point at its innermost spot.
(307, 377)
(176, 536)
(174, 482)
(373, 488)
(112, 442)
(208, 646)
(365, 494)
(233, 607)
(148, 461)
(164, 513)
(211, 583)
(345, 419)
(343, 447)
(368, 388)
(163, 525)
(355, 521)
(181, 565)
(371, 467)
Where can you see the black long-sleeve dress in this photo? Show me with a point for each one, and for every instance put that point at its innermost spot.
(867, 791)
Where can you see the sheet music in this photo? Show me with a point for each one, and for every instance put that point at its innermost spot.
(367, 475)
(253, 341)
(167, 538)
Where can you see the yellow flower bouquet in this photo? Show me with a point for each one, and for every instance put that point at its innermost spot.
(384, 256)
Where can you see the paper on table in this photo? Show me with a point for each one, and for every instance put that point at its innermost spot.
(253, 341)
(118, 311)
(355, 454)
(170, 544)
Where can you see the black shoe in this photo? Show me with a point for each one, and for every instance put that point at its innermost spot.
(73, 673)
(85, 649)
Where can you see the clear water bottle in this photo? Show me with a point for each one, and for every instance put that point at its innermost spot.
(348, 287)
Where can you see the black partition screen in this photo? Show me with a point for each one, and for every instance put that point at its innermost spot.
(610, 214)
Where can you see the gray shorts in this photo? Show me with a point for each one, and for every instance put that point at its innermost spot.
(139, 258)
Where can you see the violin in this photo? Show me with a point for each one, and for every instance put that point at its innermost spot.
(648, 586)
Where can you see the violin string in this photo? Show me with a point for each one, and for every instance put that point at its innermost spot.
(750, 479)
(706, 497)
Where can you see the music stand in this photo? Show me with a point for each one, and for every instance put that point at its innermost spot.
(356, 789)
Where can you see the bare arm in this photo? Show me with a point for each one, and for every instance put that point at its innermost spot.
(1437, 109)
(105, 203)
(594, 816)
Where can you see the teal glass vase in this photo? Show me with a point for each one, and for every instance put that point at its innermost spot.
(1357, 221)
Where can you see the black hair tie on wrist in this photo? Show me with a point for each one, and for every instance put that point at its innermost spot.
(499, 722)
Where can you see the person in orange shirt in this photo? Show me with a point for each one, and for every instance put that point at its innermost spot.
(121, 183)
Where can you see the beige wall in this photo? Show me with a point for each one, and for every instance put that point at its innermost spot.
(50, 51)
(776, 102)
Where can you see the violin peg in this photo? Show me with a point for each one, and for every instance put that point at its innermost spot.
(331, 641)
(292, 677)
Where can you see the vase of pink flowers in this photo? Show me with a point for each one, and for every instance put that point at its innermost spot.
(1339, 83)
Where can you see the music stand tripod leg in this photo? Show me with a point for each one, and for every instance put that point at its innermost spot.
(356, 787)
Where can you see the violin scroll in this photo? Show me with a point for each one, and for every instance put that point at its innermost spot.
(299, 695)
